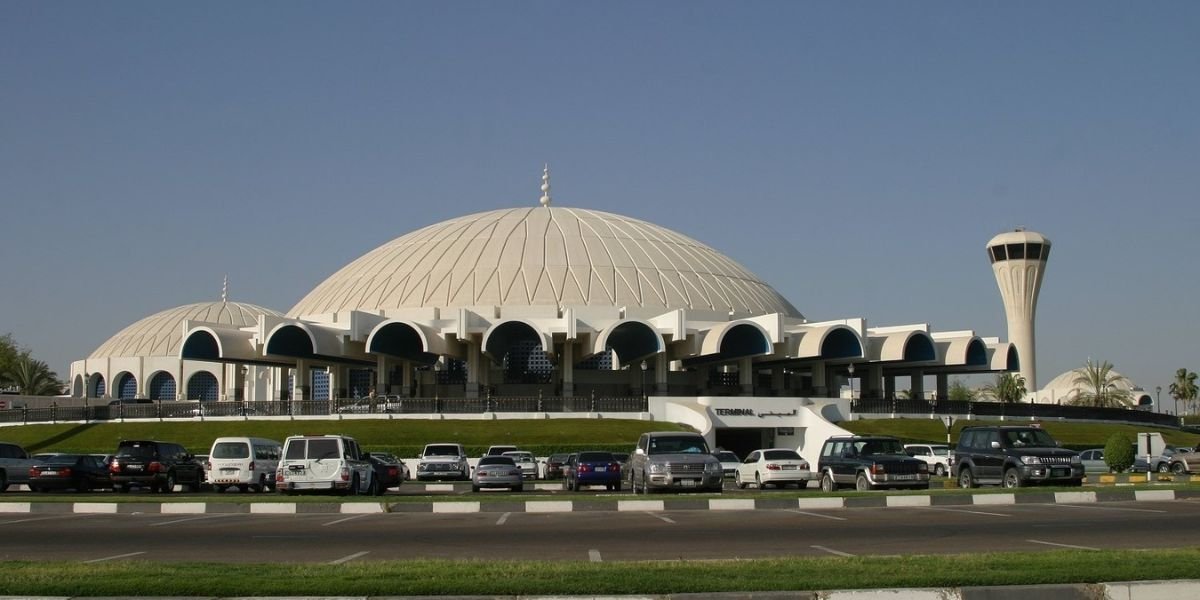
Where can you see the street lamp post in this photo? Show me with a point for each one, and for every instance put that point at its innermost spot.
(1158, 397)
(644, 395)
(850, 380)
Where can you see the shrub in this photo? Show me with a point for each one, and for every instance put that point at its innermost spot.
(1118, 452)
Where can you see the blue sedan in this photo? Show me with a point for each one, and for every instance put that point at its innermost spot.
(593, 468)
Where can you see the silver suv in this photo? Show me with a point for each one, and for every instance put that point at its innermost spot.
(325, 462)
(674, 460)
(443, 461)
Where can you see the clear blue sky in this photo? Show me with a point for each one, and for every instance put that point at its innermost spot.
(858, 156)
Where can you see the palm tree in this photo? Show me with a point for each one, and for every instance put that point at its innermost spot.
(1009, 387)
(33, 377)
(1184, 387)
(959, 391)
(1096, 384)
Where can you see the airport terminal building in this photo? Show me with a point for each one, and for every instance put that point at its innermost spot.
(549, 302)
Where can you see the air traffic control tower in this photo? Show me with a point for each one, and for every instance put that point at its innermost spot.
(1019, 262)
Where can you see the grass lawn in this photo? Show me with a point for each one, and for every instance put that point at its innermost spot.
(441, 577)
(404, 437)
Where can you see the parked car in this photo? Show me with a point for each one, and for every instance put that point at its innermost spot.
(14, 465)
(729, 462)
(869, 462)
(1093, 461)
(157, 466)
(79, 472)
(325, 463)
(1185, 461)
(445, 460)
(674, 460)
(937, 456)
(1013, 456)
(554, 466)
(773, 466)
(525, 461)
(1162, 462)
(499, 450)
(497, 472)
(593, 468)
(247, 463)
(389, 470)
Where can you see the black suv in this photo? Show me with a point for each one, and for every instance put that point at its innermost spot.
(154, 465)
(1013, 456)
(868, 462)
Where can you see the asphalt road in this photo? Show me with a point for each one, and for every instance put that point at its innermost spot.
(598, 536)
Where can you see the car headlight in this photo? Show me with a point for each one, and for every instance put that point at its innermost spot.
(658, 468)
(1075, 460)
(1031, 460)
(712, 468)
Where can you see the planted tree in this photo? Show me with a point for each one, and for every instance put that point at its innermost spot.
(1118, 453)
(959, 391)
(1009, 387)
(1184, 387)
(33, 377)
(1098, 385)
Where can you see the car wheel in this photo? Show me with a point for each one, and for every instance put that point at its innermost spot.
(861, 483)
(353, 490)
(737, 480)
(1163, 467)
(939, 470)
(83, 486)
(800, 485)
(1012, 478)
(3, 481)
(758, 481)
(827, 483)
(168, 486)
(966, 480)
(1178, 468)
(243, 488)
(373, 488)
(519, 488)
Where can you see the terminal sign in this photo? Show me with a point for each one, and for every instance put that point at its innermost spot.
(734, 412)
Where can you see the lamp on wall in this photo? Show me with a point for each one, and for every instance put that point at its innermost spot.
(851, 380)
(644, 367)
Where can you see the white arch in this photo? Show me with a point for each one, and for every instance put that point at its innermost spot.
(600, 342)
(814, 339)
(716, 334)
(431, 341)
(546, 340)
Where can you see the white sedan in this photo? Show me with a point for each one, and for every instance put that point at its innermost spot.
(526, 462)
(779, 466)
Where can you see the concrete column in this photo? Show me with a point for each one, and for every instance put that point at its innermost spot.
(889, 387)
(820, 388)
(917, 387)
(873, 384)
(381, 373)
(943, 386)
(335, 380)
(406, 377)
(472, 389)
(567, 368)
(300, 382)
(662, 366)
(746, 376)
(778, 383)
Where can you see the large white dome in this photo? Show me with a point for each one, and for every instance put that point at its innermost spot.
(544, 256)
(160, 334)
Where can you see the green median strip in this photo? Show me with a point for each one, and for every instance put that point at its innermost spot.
(440, 577)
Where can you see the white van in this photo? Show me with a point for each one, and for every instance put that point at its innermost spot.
(245, 462)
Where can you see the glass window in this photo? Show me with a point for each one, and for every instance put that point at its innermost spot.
(781, 455)
(595, 457)
(1033, 250)
(1016, 251)
(295, 449)
(323, 449)
(231, 450)
(998, 253)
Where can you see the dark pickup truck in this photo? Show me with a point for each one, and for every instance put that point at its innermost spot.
(869, 462)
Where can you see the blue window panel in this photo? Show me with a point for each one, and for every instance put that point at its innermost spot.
(203, 387)
(362, 381)
(602, 361)
(127, 388)
(100, 387)
(320, 385)
(162, 386)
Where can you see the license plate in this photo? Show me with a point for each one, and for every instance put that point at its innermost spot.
(228, 471)
(133, 467)
(687, 482)
(789, 467)
(49, 472)
(1060, 472)
(904, 477)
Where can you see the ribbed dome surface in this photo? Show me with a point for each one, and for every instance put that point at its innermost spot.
(544, 256)
(160, 334)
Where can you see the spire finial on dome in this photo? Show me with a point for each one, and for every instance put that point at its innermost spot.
(545, 199)
(225, 289)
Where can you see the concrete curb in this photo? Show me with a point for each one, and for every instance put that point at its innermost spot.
(601, 504)
(1131, 590)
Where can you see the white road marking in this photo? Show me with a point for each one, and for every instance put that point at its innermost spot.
(1149, 510)
(346, 559)
(96, 560)
(174, 521)
(832, 551)
(969, 512)
(813, 514)
(661, 518)
(1062, 545)
(46, 518)
(344, 520)
(503, 518)
(594, 555)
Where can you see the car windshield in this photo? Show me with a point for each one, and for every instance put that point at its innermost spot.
(441, 450)
(384, 457)
(781, 455)
(678, 445)
(877, 447)
(1028, 438)
(557, 458)
(323, 449)
(497, 460)
(596, 457)
(61, 459)
(231, 450)
(727, 457)
(520, 456)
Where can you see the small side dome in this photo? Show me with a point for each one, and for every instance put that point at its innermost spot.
(161, 334)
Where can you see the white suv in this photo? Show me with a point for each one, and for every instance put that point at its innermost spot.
(446, 460)
(937, 456)
(325, 462)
